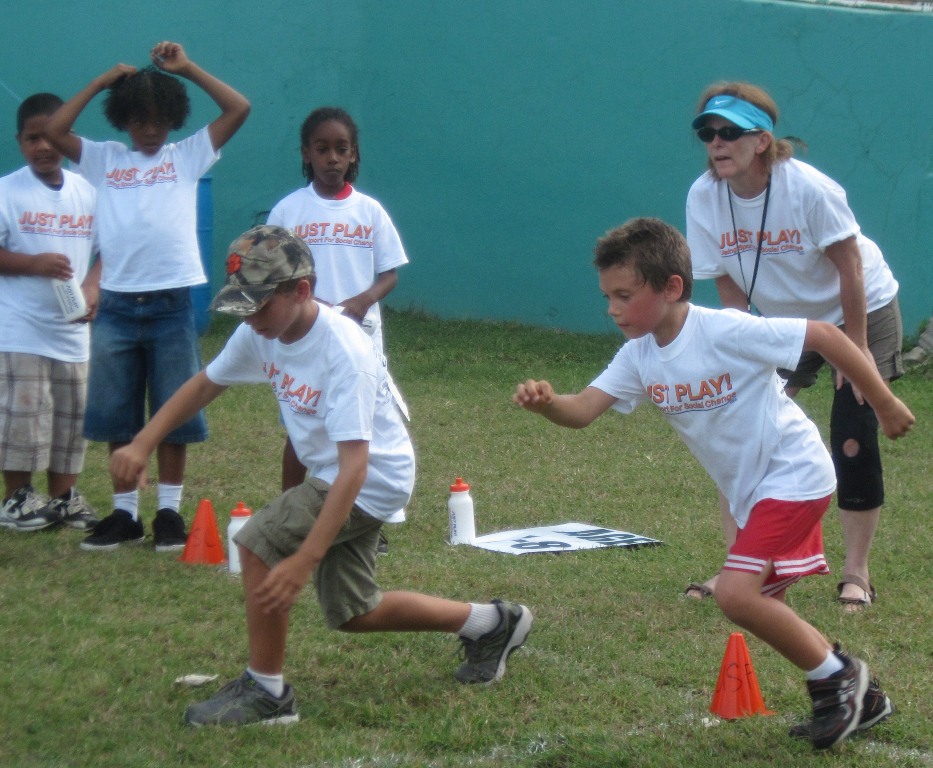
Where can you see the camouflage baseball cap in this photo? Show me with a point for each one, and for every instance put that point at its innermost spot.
(257, 261)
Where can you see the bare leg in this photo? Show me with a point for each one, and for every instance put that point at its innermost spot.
(729, 532)
(117, 487)
(15, 480)
(858, 530)
(769, 619)
(60, 484)
(411, 612)
(398, 612)
(267, 631)
(170, 458)
(293, 471)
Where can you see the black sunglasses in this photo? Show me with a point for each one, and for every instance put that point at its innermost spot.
(726, 133)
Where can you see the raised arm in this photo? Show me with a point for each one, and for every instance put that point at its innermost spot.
(574, 411)
(59, 125)
(836, 347)
(234, 108)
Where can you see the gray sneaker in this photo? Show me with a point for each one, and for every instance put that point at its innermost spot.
(243, 702)
(26, 510)
(485, 658)
(73, 511)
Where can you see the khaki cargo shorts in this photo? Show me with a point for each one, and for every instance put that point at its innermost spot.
(346, 578)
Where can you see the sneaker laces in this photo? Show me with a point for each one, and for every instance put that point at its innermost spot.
(31, 502)
(477, 651)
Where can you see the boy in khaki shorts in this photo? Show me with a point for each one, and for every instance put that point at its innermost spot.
(338, 412)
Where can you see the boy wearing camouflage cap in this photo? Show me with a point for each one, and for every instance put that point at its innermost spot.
(338, 412)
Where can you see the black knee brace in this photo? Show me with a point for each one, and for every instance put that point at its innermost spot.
(853, 437)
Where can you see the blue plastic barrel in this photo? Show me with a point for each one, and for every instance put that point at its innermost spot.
(201, 294)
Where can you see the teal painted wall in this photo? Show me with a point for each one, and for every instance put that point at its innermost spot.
(504, 137)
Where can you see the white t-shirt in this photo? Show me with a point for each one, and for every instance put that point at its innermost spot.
(716, 385)
(807, 211)
(352, 240)
(147, 212)
(36, 219)
(330, 387)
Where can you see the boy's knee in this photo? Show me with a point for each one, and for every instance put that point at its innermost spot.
(733, 600)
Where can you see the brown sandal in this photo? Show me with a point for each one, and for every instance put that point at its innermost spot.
(702, 589)
(855, 604)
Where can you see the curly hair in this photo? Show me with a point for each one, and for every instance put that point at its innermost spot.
(150, 92)
(317, 118)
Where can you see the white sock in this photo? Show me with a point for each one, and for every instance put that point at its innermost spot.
(275, 684)
(483, 618)
(128, 501)
(170, 496)
(831, 664)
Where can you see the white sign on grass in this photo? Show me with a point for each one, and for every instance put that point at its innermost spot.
(566, 537)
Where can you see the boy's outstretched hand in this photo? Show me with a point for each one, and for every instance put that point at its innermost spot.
(128, 466)
(534, 395)
(169, 56)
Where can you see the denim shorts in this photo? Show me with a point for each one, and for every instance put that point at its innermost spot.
(144, 346)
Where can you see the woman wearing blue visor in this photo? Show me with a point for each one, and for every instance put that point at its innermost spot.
(779, 238)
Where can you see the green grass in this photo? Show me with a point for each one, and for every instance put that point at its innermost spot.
(618, 671)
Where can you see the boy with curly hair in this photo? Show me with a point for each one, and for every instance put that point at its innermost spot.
(144, 339)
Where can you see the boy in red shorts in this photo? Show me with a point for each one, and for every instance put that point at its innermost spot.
(712, 373)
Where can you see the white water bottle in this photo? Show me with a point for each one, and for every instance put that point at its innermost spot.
(70, 298)
(460, 509)
(238, 518)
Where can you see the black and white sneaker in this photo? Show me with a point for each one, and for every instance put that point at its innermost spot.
(26, 510)
(168, 531)
(485, 658)
(114, 531)
(73, 510)
(876, 707)
(837, 702)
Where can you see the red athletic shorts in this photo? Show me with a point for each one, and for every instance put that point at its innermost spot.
(787, 534)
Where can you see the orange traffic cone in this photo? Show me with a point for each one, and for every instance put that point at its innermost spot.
(204, 540)
(737, 692)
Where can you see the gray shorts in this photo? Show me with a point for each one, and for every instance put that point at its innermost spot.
(346, 578)
(885, 340)
(42, 405)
